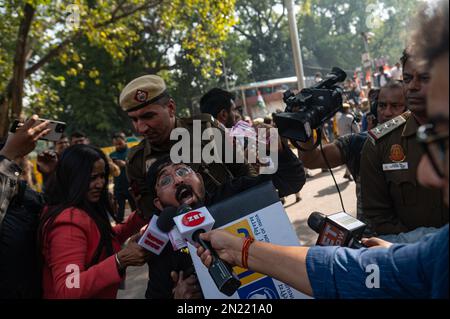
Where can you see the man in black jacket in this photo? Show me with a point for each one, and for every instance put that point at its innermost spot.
(20, 207)
(177, 184)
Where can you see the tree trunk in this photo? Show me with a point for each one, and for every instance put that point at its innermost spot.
(19, 62)
(12, 100)
(4, 117)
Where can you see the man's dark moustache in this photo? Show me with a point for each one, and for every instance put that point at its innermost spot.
(181, 188)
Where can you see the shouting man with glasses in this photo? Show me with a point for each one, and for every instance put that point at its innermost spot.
(173, 185)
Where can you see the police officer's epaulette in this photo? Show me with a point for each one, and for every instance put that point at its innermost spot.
(384, 129)
(206, 118)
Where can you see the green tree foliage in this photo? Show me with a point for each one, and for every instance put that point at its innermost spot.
(331, 30)
(263, 24)
(45, 30)
(48, 30)
(87, 101)
(330, 33)
(76, 72)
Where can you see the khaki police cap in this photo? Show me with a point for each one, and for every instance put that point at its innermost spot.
(141, 92)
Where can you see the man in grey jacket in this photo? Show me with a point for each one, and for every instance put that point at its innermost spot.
(17, 145)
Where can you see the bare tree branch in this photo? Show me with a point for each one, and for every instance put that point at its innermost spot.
(146, 5)
(119, 6)
(50, 55)
(245, 34)
(277, 23)
(57, 50)
(15, 85)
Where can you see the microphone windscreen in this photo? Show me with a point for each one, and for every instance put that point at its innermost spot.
(315, 221)
(165, 221)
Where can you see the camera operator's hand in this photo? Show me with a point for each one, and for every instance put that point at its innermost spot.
(226, 245)
(185, 288)
(305, 146)
(133, 254)
(375, 242)
(23, 141)
(47, 162)
(269, 139)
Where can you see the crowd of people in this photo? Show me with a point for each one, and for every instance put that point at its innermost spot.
(74, 240)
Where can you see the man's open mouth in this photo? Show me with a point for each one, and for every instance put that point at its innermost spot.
(184, 194)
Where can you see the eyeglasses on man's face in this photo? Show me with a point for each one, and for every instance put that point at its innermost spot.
(167, 179)
(435, 146)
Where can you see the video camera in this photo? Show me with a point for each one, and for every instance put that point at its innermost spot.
(311, 108)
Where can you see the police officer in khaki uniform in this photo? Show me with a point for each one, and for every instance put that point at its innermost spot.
(392, 199)
(152, 111)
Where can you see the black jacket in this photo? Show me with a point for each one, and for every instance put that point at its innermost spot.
(20, 274)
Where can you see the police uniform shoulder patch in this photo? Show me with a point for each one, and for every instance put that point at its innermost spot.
(204, 117)
(207, 121)
(384, 129)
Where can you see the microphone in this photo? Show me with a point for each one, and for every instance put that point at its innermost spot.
(339, 229)
(153, 239)
(165, 221)
(191, 223)
(166, 224)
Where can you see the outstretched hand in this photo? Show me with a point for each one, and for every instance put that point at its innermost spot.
(24, 140)
(375, 242)
(133, 254)
(185, 288)
(227, 246)
(47, 162)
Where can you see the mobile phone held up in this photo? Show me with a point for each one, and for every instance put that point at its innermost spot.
(56, 129)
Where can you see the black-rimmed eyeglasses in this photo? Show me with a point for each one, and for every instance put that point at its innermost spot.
(435, 145)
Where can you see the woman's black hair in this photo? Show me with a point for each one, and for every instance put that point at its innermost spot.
(70, 188)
